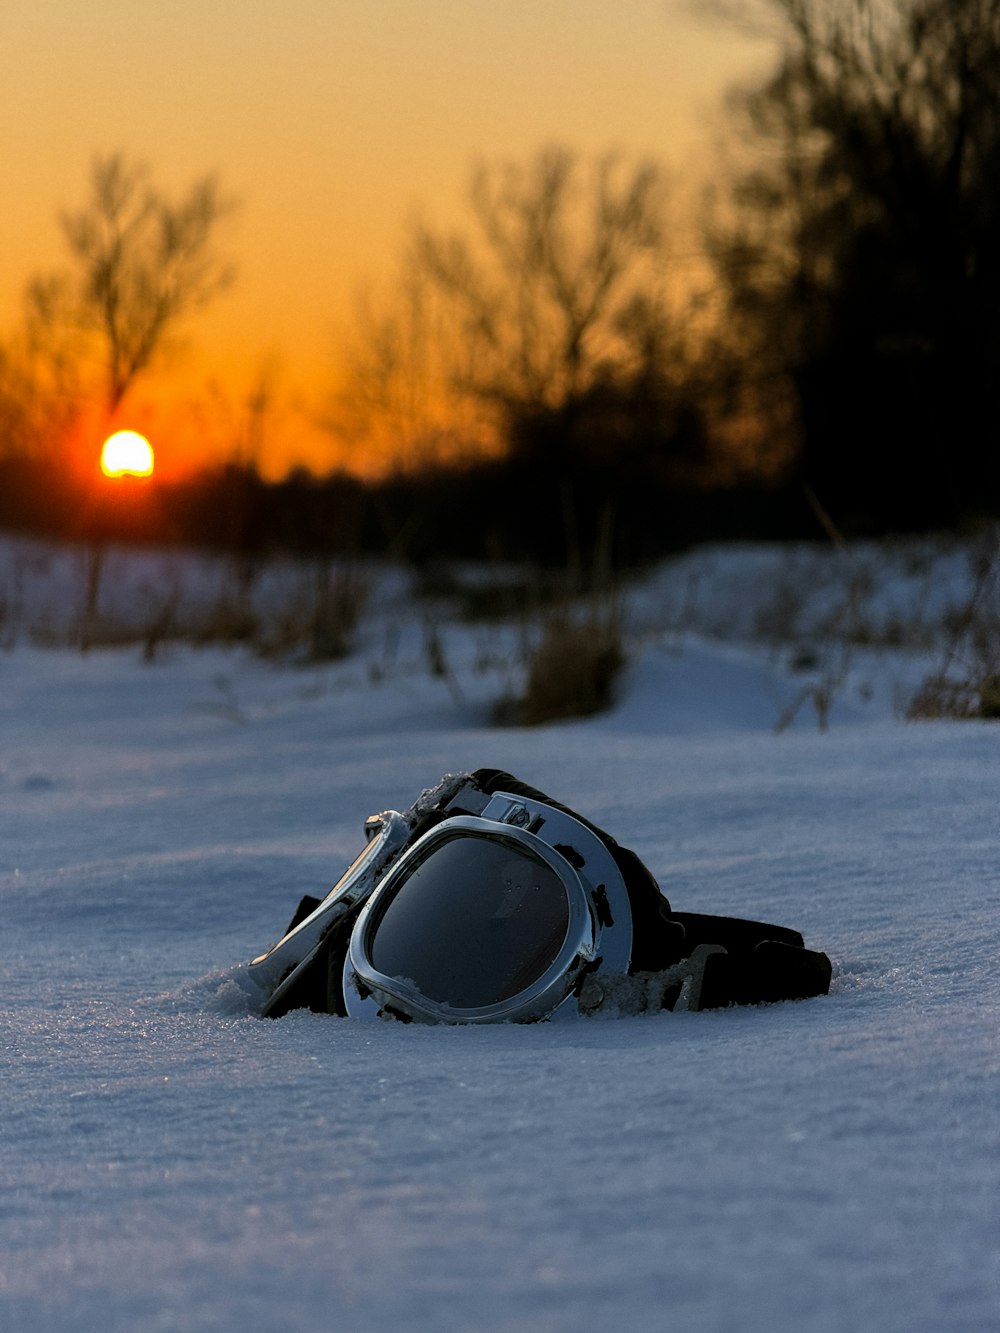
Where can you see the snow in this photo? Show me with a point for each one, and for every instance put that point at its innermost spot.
(168, 1161)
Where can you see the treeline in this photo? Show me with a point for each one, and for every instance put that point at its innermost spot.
(861, 255)
(485, 511)
(579, 366)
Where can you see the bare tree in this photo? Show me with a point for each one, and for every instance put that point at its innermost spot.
(547, 335)
(543, 284)
(556, 289)
(141, 264)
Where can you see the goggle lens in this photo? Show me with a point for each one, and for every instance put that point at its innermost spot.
(477, 921)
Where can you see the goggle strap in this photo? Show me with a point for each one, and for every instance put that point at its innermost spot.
(771, 972)
(711, 978)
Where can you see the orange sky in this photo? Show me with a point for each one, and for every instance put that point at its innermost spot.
(333, 122)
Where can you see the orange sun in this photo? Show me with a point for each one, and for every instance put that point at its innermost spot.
(126, 453)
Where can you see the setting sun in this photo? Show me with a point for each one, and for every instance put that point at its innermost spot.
(126, 452)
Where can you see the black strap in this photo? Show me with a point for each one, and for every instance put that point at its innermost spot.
(770, 972)
(762, 963)
(734, 933)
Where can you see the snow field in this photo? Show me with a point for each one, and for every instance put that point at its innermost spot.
(168, 1161)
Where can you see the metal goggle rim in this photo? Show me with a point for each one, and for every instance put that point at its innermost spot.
(278, 969)
(580, 946)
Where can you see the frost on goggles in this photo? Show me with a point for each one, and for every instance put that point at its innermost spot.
(477, 921)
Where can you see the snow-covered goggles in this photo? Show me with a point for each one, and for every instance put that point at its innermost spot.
(482, 905)
(488, 917)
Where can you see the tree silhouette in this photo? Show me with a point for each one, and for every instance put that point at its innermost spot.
(140, 264)
(542, 343)
(552, 298)
(545, 280)
(569, 327)
(863, 265)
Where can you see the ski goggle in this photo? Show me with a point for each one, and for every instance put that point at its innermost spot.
(498, 916)
(486, 907)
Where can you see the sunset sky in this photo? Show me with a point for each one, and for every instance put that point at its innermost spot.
(333, 122)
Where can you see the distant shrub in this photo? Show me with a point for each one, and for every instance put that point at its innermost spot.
(941, 696)
(229, 620)
(571, 672)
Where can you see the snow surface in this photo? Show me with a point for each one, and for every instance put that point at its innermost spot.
(168, 1161)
